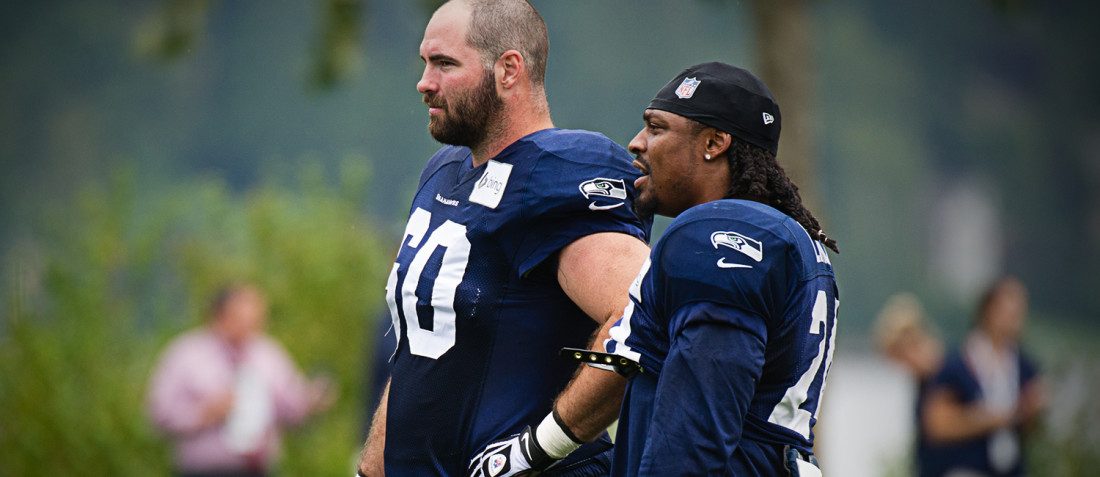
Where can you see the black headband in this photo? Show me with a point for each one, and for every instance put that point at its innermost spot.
(726, 98)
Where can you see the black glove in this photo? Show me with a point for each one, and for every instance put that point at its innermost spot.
(516, 455)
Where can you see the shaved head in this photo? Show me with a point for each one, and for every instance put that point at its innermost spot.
(497, 26)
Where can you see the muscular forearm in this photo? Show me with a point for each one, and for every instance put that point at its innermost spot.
(591, 401)
(370, 460)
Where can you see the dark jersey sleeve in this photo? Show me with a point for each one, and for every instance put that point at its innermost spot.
(575, 191)
(715, 357)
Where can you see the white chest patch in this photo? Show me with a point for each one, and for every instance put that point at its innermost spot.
(490, 187)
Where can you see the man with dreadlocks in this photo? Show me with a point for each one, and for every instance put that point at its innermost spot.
(730, 331)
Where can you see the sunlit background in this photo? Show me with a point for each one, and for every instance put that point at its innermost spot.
(153, 149)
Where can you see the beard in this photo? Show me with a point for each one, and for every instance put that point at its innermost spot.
(645, 205)
(468, 117)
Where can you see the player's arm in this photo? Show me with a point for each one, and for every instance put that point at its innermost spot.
(595, 271)
(703, 392)
(581, 413)
(591, 401)
(370, 460)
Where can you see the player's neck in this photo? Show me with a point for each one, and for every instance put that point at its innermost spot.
(711, 183)
(512, 127)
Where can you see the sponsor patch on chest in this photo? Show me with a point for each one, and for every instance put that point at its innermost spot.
(489, 189)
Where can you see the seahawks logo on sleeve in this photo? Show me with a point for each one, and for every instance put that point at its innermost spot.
(604, 188)
(747, 246)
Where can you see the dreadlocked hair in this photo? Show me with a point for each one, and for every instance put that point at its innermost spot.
(755, 173)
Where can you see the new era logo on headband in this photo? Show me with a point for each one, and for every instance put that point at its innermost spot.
(768, 119)
(687, 88)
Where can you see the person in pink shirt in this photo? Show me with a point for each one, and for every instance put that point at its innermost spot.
(223, 391)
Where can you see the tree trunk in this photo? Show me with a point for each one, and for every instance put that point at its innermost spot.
(783, 52)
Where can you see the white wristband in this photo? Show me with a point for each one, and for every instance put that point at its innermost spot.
(553, 439)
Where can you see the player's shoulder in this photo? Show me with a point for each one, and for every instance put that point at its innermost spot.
(738, 216)
(565, 142)
(564, 150)
(758, 231)
(575, 169)
(446, 155)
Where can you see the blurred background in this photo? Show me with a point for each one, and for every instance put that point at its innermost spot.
(151, 150)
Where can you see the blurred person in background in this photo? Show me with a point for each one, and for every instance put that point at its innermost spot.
(987, 395)
(903, 335)
(223, 391)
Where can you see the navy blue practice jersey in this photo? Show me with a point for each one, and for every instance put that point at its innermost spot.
(733, 321)
(480, 321)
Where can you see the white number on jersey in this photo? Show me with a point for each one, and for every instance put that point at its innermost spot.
(788, 412)
(452, 237)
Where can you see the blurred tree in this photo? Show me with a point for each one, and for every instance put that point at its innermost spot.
(173, 30)
(339, 54)
(784, 50)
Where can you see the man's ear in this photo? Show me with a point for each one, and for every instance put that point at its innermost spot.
(509, 68)
(717, 142)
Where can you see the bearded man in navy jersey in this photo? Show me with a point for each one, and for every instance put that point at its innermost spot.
(521, 240)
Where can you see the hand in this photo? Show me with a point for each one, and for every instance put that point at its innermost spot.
(516, 455)
(217, 409)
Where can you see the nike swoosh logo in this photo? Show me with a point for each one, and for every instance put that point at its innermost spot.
(593, 206)
(722, 264)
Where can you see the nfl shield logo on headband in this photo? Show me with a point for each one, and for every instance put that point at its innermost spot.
(687, 88)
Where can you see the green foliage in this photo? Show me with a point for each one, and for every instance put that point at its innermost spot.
(1072, 451)
(103, 283)
(339, 55)
(1067, 441)
(174, 30)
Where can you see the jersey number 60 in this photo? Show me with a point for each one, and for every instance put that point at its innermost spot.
(452, 237)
